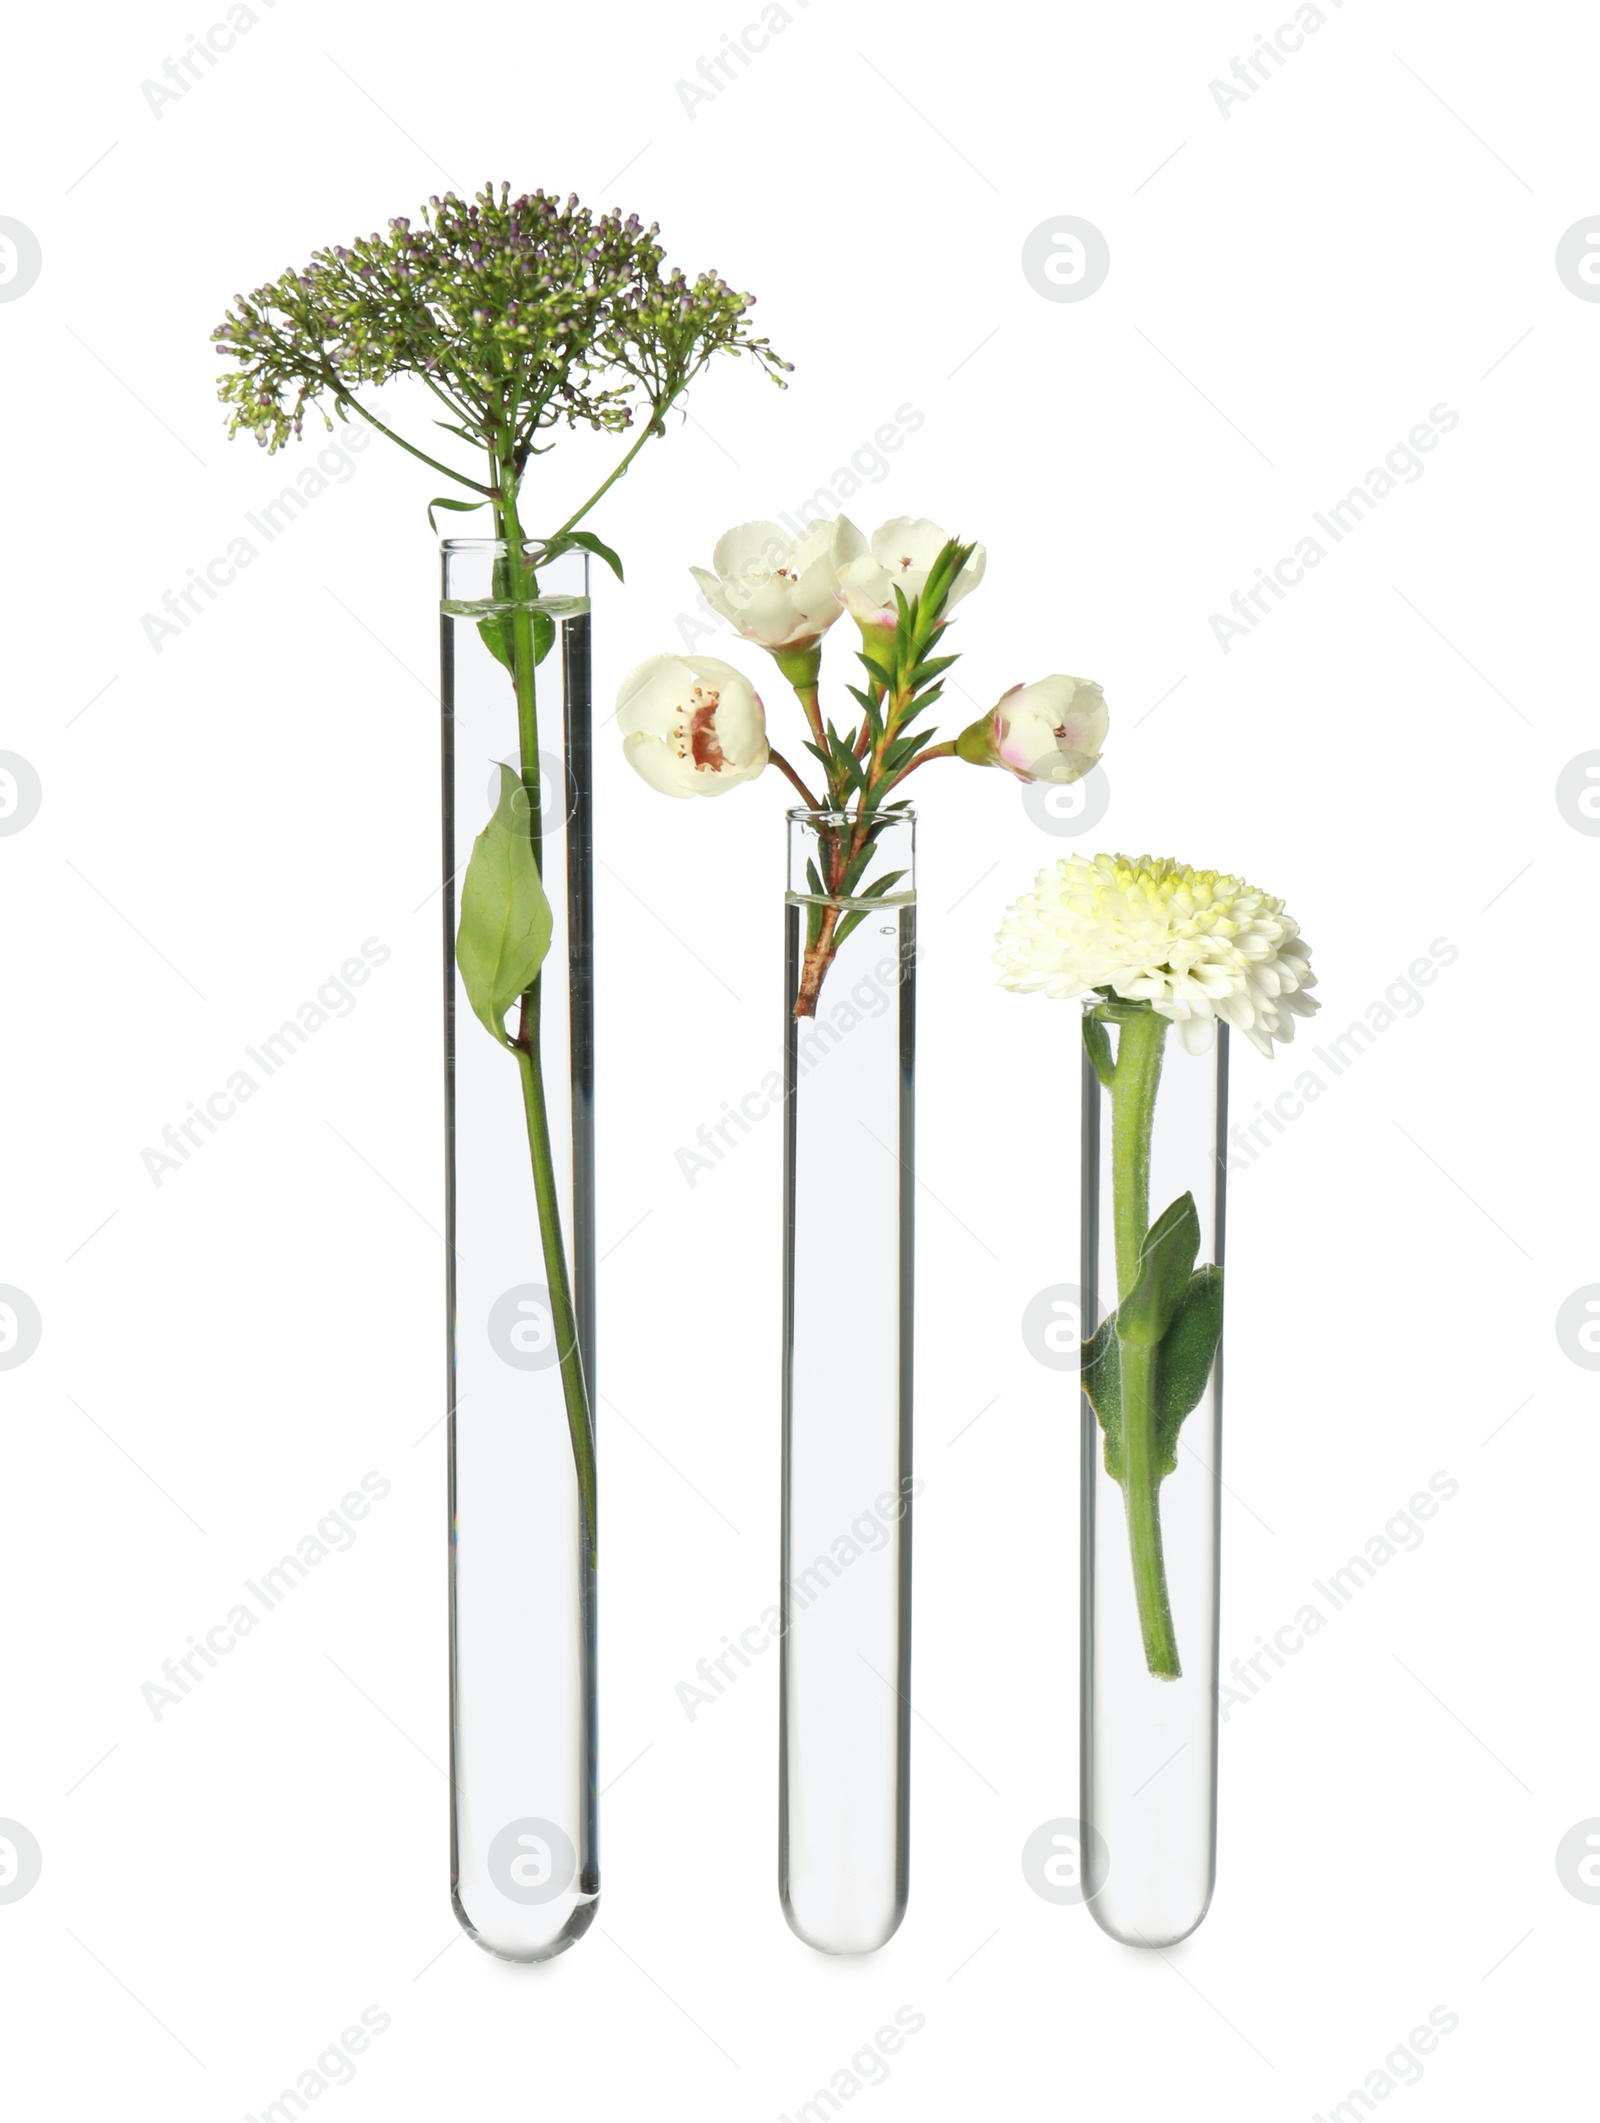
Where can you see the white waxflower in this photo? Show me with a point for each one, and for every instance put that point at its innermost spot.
(691, 725)
(901, 553)
(1194, 944)
(780, 592)
(1053, 730)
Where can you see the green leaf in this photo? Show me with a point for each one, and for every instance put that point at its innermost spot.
(950, 560)
(496, 637)
(1100, 1375)
(495, 630)
(857, 915)
(904, 749)
(813, 910)
(1165, 1262)
(1188, 1350)
(930, 667)
(845, 767)
(1098, 1041)
(854, 868)
(590, 544)
(1183, 1369)
(505, 918)
(443, 501)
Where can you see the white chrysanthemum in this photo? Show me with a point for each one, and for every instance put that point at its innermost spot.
(1195, 945)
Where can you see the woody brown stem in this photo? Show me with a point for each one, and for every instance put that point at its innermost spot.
(819, 957)
(775, 758)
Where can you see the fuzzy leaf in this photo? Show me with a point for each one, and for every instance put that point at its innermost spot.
(505, 917)
(1098, 1041)
(1165, 1263)
(1183, 1368)
(1188, 1350)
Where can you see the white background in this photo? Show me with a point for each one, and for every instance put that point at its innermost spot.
(1372, 233)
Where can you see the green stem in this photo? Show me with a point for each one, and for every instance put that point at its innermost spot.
(521, 585)
(776, 759)
(1140, 1040)
(811, 709)
(563, 1321)
(653, 427)
(372, 420)
(1134, 1084)
(821, 950)
(947, 750)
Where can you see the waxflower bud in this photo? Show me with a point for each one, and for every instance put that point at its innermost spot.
(1053, 730)
(691, 725)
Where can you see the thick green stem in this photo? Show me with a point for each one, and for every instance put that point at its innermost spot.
(1140, 1040)
(1133, 1106)
(1141, 1486)
(521, 586)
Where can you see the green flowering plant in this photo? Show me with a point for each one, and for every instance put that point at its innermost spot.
(1153, 945)
(520, 316)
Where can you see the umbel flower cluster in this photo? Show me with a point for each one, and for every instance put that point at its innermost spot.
(517, 313)
(518, 316)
